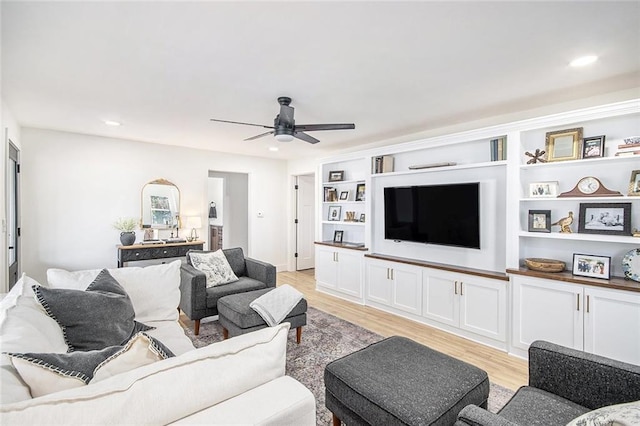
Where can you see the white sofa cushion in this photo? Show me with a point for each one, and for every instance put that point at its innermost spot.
(154, 290)
(147, 395)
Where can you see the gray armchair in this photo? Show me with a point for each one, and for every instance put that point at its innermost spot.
(563, 384)
(197, 301)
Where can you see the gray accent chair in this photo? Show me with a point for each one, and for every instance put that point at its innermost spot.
(197, 301)
(563, 384)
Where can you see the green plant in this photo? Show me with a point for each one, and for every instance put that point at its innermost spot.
(126, 224)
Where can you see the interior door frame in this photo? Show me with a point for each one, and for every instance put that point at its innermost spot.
(13, 217)
(296, 217)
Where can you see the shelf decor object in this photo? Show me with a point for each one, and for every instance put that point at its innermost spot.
(631, 265)
(605, 218)
(337, 236)
(382, 164)
(336, 175)
(539, 220)
(334, 213)
(587, 265)
(360, 188)
(634, 183)
(536, 157)
(563, 145)
(544, 265)
(565, 224)
(593, 147)
(590, 186)
(543, 189)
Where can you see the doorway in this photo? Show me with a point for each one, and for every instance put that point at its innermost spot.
(13, 227)
(228, 202)
(304, 222)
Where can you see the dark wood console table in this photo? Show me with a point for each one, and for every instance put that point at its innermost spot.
(155, 251)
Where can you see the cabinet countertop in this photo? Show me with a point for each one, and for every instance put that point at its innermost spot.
(617, 283)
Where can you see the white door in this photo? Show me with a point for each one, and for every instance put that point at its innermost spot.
(483, 306)
(379, 284)
(440, 297)
(349, 272)
(304, 223)
(612, 324)
(407, 288)
(327, 270)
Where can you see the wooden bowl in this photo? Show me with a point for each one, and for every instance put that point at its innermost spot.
(544, 265)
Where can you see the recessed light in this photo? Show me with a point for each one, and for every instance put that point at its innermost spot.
(583, 61)
(112, 123)
(274, 148)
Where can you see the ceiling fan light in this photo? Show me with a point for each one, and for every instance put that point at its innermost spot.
(284, 138)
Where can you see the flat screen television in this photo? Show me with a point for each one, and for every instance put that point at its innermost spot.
(435, 214)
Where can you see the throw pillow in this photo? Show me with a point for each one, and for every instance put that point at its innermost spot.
(215, 266)
(626, 414)
(93, 319)
(47, 373)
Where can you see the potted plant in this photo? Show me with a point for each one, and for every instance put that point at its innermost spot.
(126, 226)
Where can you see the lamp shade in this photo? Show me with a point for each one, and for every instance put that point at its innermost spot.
(284, 138)
(193, 222)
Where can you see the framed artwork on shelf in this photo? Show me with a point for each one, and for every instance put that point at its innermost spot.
(563, 145)
(360, 192)
(543, 189)
(361, 217)
(336, 175)
(605, 218)
(330, 194)
(337, 236)
(539, 220)
(593, 147)
(344, 195)
(634, 183)
(334, 213)
(587, 265)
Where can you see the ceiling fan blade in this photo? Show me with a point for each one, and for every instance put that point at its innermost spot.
(305, 137)
(239, 122)
(258, 136)
(314, 127)
(286, 115)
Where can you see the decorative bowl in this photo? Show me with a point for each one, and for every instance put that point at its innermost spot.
(631, 140)
(544, 265)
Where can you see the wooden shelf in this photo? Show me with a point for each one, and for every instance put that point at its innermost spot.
(350, 246)
(441, 169)
(618, 283)
(582, 237)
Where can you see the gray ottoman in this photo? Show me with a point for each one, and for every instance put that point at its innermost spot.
(400, 382)
(237, 317)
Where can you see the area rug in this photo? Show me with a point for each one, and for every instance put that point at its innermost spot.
(324, 339)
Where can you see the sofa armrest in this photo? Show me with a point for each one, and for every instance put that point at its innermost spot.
(472, 415)
(193, 286)
(590, 380)
(261, 271)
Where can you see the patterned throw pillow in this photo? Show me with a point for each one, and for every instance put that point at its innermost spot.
(627, 414)
(215, 266)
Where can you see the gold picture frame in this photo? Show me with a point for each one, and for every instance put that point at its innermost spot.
(564, 145)
(634, 183)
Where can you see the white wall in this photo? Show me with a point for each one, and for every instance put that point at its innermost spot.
(74, 186)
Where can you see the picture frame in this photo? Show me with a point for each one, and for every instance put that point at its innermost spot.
(334, 213)
(361, 217)
(344, 195)
(593, 147)
(336, 175)
(539, 220)
(547, 189)
(337, 236)
(360, 192)
(592, 266)
(634, 184)
(330, 194)
(605, 218)
(563, 145)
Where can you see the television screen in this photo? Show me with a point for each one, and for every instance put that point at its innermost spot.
(435, 214)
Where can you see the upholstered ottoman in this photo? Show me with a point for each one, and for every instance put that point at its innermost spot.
(237, 317)
(400, 382)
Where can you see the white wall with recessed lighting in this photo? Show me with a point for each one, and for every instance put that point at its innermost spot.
(75, 186)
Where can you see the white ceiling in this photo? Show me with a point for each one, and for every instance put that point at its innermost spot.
(392, 68)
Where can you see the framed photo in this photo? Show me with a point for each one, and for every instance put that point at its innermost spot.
(634, 183)
(605, 218)
(361, 217)
(543, 189)
(593, 147)
(337, 236)
(334, 213)
(587, 265)
(563, 145)
(360, 192)
(539, 220)
(336, 175)
(344, 195)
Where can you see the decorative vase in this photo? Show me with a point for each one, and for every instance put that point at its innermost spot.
(127, 238)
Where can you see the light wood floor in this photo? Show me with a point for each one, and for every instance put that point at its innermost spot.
(505, 370)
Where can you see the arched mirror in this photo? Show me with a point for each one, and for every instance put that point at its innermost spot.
(160, 205)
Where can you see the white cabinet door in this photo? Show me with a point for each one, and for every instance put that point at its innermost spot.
(407, 288)
(483, 306)
(379, 284)
(349, 272)
(440, 297)
(326, 267)
(612, 324)
(546, 310)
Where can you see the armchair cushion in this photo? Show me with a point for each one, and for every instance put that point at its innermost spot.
(535, 407)
(243, 285)
(215, 267)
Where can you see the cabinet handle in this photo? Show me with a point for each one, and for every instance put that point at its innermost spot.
(461, 293)
(455, 287)
(587, 303)
(391, 274)
(337, 258)
(577, 302)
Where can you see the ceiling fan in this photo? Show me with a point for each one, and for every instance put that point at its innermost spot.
(285, 128)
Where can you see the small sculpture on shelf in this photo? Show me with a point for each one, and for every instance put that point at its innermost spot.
(351, 217)
(536, 157)
(565, 224)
